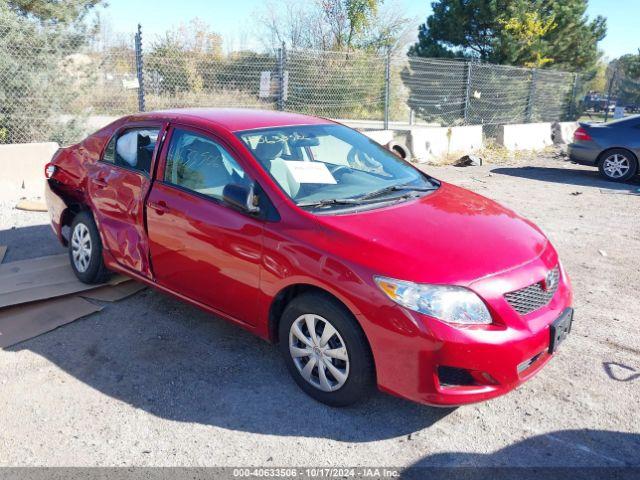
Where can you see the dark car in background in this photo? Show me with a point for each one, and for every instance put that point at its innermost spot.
(613, 147)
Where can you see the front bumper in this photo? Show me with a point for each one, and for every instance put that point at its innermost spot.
(499, 357)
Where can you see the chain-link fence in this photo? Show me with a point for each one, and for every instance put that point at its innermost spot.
(61, 90)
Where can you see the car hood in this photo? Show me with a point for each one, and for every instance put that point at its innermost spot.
(450, 236)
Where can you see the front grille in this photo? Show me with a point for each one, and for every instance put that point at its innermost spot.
(531, 298)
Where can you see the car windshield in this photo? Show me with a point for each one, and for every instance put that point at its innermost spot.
(328, 166)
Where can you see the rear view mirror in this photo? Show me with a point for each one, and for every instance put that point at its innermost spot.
(241, 197)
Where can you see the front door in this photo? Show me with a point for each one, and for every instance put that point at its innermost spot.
(200, 247)
(118, 184)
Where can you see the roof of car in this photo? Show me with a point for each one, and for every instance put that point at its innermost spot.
(235, 119)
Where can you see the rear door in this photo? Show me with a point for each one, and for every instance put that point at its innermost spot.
(118, 185)
(200, 247)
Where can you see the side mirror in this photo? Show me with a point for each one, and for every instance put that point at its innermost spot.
(241, 197)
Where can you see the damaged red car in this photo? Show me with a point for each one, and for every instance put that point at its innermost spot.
(363, 269)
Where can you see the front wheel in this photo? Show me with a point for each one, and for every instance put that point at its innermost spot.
(326, 351)
(618, 165)
(85, 250)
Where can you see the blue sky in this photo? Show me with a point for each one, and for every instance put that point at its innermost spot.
(235, 19)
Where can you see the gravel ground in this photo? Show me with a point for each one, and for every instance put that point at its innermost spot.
(153, 381)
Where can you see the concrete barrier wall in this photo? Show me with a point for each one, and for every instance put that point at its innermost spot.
(430, 144)
(383, 137)
(525, 136)
(22, 169)
(22, 165)
(562, 132)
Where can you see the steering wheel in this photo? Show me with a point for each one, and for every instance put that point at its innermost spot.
(339, 170)
(352, 157)
(360, 161)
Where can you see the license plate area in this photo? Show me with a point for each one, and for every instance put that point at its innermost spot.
(560, 328)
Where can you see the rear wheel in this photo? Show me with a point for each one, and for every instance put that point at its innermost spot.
(85, 250)
(325, 350)
(618, 165)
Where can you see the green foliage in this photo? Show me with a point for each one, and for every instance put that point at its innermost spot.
(459, 28)
(37, 78)
(524, 33)
(630, 64)
(168, 61)
(52, 11)
(596, 80)
(536, 33)
(332, 25)
(336, 84)
(626, 82)
(191, 60)
(348, 19)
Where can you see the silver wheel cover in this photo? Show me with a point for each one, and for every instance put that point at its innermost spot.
(319, 352)
(616, 165)
(81, 247)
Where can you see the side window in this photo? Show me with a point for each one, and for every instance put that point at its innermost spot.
(198, 163)
(109, 154)
(134, 148)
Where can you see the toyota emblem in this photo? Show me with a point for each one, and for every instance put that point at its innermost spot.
(549, 281)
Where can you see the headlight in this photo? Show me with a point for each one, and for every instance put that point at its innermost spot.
(450, 304)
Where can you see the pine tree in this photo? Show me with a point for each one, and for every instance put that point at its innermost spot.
(534, 33)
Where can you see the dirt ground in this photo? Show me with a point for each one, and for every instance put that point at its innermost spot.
(153, 381)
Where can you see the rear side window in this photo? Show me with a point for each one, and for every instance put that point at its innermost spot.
(132, 149)
(109, 155)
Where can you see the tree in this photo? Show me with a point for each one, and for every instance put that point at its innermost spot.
(632, 65)
(536, 33)
(336, 25)
(176, 59)
(36, 84)
(596, 81)
(625, 73)
(459, 28)
(53, 11)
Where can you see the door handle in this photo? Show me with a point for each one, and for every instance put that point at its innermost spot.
(160, 207)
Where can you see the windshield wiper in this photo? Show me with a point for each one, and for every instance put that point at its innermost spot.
(328, 202)
(395, 188)
(345, 201)
(372, 197)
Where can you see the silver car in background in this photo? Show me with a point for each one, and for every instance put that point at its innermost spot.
(613, 147)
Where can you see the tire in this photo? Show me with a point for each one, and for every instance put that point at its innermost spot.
(625, 160)
(85, 250)
(398, 149)
(344, 382)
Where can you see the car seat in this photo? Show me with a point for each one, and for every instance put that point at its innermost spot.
(269, 151)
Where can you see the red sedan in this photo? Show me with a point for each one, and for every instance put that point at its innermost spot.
(363, 269)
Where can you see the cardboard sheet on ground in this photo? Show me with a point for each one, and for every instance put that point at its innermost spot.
(27, 321)
(114, 293)
(31, 206)
(41, 278)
